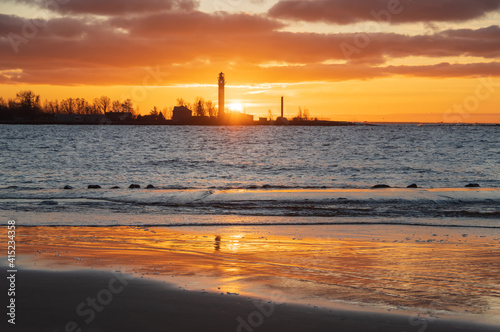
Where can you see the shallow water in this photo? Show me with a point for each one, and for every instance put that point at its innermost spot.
(401, 269)
(250, 171)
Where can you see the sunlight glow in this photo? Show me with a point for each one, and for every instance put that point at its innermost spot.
(236, 107)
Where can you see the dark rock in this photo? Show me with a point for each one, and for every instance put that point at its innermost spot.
(412, 186)
(49, 203)
(380, 186)
(150, 187)
(93, 186)
(68, 187)
(472, 185)
(134, 186)
(115, 187)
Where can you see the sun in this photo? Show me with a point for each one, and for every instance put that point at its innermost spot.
(236, 107)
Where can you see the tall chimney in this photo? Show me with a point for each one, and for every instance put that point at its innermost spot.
(282, 105)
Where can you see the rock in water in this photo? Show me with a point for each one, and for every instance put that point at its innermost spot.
(472, 185)
(49, 203)
(380, 186)
(150, 187)
(68, 187)
(94, 186)
(134, 186)
(115, 187)
(412, 186)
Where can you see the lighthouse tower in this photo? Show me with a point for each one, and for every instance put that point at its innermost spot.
(222, 83)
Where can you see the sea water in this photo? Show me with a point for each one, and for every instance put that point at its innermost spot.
(322, 172)
(339, 240)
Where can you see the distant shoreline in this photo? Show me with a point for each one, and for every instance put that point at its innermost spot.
(291, 123)
(194, 123)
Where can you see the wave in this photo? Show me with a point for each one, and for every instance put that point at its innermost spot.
(218, 224)
(321, 204)
(236, 186)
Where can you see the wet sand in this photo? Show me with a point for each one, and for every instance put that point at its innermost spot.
(329, 278)
(49, 301)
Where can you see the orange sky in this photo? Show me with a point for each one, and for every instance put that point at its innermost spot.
(356, 60)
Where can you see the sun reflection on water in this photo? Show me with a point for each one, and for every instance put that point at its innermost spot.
(444, 272)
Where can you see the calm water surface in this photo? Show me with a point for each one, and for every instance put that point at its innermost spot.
(247, 157)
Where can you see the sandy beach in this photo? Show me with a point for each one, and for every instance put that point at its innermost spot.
(311, 278)
(49, 301)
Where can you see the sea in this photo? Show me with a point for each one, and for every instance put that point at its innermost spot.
(298, 175)
(288, 209)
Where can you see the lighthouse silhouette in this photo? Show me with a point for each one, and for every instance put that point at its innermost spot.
(222, 83)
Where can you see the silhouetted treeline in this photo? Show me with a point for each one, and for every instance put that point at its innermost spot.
(28, 106)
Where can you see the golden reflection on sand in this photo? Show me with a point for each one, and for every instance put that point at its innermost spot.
(444, 270)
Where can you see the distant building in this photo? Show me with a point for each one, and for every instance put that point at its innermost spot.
(79, 119)
(281, 121)
(236, 118)
(119, 116)
(181, 114)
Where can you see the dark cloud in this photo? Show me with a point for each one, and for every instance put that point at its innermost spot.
(112, 7)
(9, 23)
(77, 50)
(446, 70)
(188, 23)
(394, 11)
(489, 33)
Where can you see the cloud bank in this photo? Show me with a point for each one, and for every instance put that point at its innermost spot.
(190, 45)
(393, 11)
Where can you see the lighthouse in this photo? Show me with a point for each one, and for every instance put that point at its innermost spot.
(222, 83)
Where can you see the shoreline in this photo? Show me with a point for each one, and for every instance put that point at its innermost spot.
(380, 269)
(97, 301)
(203, 123)
(439, 207)
(329, 123)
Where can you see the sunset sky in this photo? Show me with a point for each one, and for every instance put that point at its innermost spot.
(355, 60)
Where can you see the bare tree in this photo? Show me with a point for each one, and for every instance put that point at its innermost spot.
(51, 107)
(168, 112)
(68, 106)
(305, 114)
(117, 106)
(82, 106)
(102, 104)
(199, 107)
(210, 108)
(127, 106)
(28, 100)
(154, 112)
(12, 103)
(181, 102)
(299, 114)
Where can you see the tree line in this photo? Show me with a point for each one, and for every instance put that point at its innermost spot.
(28, 105)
